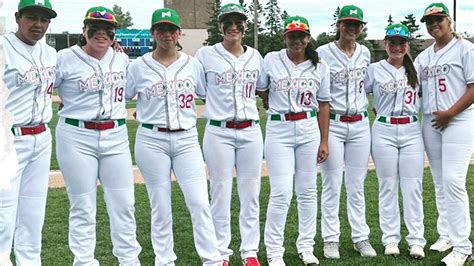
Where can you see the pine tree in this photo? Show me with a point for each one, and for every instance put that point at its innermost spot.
(335, 16)
(390, 20)
(272, 13)
(249, 34)
(415, 44)
(124, 20)
(213, 34)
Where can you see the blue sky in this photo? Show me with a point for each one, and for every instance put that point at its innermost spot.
(318, 12)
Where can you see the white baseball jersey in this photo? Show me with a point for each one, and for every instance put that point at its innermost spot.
(393, 96)
(444, 74)
(29, 75)
(231, 96)
(166, 94)
(347, 78)
(97, 92)
(295, 88)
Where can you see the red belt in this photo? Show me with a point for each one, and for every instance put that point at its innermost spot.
(99, 125)
(400, 120)
(238, 125)
(34, 130)
(295, 116)
(352, 118)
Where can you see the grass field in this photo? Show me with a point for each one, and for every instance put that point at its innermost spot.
(56, 252)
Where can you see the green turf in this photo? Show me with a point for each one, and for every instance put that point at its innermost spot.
(55, 249)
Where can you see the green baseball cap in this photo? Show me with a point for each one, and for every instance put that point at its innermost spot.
(296, 23)
(100, 13)
(166, 15)
(397, 30)
(231, 9)
(44, 5)
(351, 12)
(435, 9)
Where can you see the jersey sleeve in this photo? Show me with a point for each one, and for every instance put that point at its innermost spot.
(200, 80)
(468, 63)
(59, 70)
(262, 82)
(324, 92)
(130, 90)
(369, 79)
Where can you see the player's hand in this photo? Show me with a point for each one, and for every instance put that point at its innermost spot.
(323, 152)
(135, 115)
(441, 119)
(117, 47)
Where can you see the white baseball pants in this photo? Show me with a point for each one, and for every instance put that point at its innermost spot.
(22, 208)
(349, 147)
(224, 149)
(85, 155)
(291, 149)
(449, 153)
(398, 154)
(156, 153)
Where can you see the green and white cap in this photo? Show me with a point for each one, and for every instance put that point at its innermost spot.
(435, 9)
(296, 23)
(351, 12)
(100, 13)
(397, 30)
(44, 5)
(166, 15)
(231, 9)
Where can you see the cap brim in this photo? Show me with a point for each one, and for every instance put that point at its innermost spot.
(50, 12)
(352, 19)
(423, 19)
(230, 13)
(165, 22)
(292, 30)
(397, 36)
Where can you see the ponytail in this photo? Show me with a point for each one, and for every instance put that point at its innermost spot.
(311, 54)
(411, 71)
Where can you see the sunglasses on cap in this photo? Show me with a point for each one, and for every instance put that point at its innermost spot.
(432, 19)
(101, 15)
(397, 32)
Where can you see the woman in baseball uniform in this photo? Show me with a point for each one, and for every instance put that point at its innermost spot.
(166, 81)
(29, 76)
(447, 82)
(92, 140)
(233, 137)
(349, 135)
(397, 144)
(296, 138)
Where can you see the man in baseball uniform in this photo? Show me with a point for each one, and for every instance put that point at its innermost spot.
(397, 144)
(29, 74)
(233, 138)
(349, 135)
(446, 71)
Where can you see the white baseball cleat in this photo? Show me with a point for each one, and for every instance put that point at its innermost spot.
(455, 258)
(276, 261)
(392, 249)
(417, 252)
(441, 245)
(365, 248)
(308, 258)
(331, 250)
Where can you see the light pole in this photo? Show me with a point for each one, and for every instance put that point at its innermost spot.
(454, 14)
(255, 24)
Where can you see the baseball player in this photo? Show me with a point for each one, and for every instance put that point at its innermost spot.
(233, 136)
(349, 135)
(447, 83)
(29, 75)
(166, 81)
(92, 141)
(397, 144)
(296, 138)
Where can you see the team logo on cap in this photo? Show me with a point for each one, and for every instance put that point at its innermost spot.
(39, 2)
(353, 12)
(433, 10)
(398, 29)
(166, 14)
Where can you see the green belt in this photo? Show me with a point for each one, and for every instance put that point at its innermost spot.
(281, 117)
(149, 126)
(386, 119)
(333, 116)
(77, 123)
(218, 123)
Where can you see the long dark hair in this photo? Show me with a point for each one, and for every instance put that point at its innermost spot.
(411, 71)
(311, 54)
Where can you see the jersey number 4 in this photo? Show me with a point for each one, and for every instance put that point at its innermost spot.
(49, 90)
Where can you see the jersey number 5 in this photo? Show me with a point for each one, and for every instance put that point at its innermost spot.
(185, 100)
(442, 84)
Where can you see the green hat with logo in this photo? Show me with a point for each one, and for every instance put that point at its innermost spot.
(166, 15)
(296, 23)
(231, 9)
(351, 12)
(44, 5)
(435, 9)
(100, 13)
(397, 30)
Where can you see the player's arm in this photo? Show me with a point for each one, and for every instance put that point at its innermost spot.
(264, 96)
(323, 120)
(442, 118)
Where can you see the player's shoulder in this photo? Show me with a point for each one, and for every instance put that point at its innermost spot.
(67, 52)
(205, 50)
(365, 51)
(192, 60)
(274, 55)
(466, 44)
